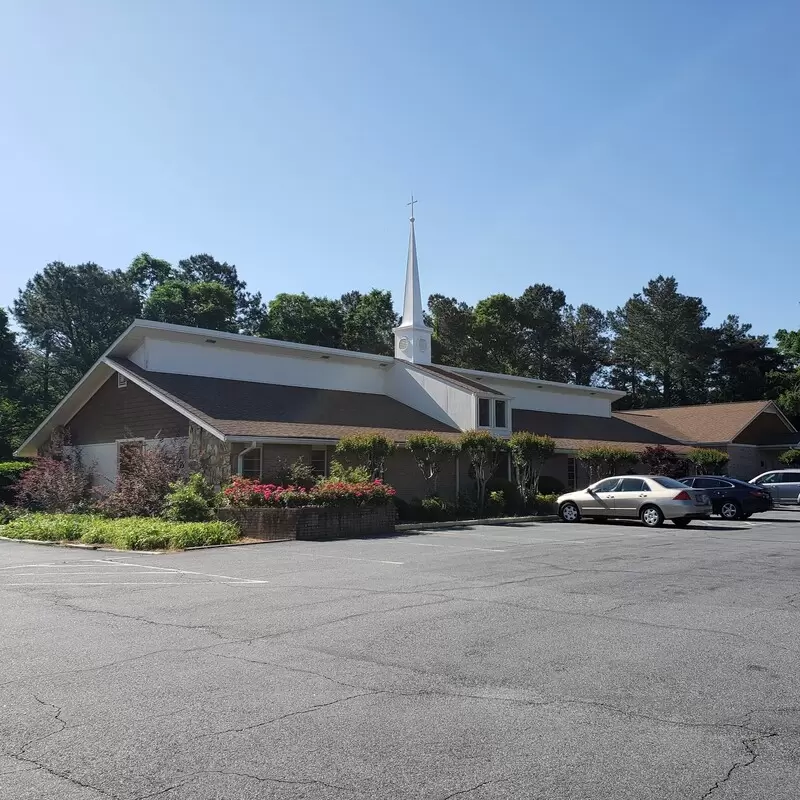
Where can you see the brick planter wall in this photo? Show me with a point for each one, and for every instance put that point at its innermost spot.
(311, 522)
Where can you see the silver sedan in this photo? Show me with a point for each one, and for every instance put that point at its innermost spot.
(649, 498)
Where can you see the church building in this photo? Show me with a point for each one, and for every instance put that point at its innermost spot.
(245, 405)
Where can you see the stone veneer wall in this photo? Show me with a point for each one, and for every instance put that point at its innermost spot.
(209, 456)
(311, 522)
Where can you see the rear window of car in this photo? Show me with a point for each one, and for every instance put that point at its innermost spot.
(632, 485)
(668, 483)
(791, 477)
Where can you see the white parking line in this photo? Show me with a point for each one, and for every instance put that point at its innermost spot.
(70, 574)
(178, 571)
(123, 583)
(348, 558)
(449, 546)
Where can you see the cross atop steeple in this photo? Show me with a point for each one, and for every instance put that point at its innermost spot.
(412, 338)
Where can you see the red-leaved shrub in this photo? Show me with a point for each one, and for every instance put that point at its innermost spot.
(248, 493)
(56, 484)
(145, 475)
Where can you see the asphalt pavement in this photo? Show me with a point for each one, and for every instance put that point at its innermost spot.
(532, 661)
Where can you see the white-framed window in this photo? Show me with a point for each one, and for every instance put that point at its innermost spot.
(572, 474)
(250, 463)
(500, 414)
(484, 412)
(492, 413)
(128, 451)
(122, 381)
(319, 461)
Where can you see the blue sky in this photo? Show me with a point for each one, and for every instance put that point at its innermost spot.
(586, 145)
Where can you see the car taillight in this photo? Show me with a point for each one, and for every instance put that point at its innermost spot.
(682, 496)
(758, 494)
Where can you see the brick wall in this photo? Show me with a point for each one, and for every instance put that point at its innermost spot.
(744, 462)
(271, 524)
(121, 413)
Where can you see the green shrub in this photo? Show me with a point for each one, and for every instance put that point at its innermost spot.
(496, 503)
(546, 503)
(513, 503)
(789, 458)
(47, 527)
(190, 501)
(344, 474)
(602, 461)
(129, 533)
(434, 509)
(707, 461)
(369, 450)
(296, 474)
(11, 471)
(8, 513)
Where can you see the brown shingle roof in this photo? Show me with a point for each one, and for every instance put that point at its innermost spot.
(245, 408)
(718, 422)
(575, 431)
(454, 377)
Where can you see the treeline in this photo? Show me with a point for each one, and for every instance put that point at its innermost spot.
(657, 347)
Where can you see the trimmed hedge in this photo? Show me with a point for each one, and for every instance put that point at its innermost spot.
(127, 533)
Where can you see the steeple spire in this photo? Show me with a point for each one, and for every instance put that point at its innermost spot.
(412, 337)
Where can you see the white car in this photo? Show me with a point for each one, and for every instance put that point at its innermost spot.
(650, 498)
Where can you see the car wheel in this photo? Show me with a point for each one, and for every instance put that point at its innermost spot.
(569, 512)
(730, 510)
(681, 523)
(652, 516)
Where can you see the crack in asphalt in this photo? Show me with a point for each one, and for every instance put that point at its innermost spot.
(494, 699)
(65, 776)
(285, 716)
(472, 789)
(749, 759)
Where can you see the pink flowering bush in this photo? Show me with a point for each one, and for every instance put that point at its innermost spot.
(249, 494)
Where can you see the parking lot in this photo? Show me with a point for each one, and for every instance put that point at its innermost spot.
(526, 661)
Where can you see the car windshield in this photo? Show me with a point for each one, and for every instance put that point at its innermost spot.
(667, 483)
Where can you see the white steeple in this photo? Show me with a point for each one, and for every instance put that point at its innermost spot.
(412, 339)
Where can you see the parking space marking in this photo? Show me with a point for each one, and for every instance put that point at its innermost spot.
(179, 571)
(122, 583)
(349, 558)
(448, 546)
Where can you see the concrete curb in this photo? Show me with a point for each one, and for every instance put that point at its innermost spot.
(468, 523)
(234, 544)
(78, 546)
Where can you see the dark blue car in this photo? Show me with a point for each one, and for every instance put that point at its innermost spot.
(732, 498)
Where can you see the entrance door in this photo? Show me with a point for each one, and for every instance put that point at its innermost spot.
(600, 501)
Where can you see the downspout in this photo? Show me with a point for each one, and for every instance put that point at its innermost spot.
(253, 446)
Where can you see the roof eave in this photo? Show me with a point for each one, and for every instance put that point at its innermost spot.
(555, 385)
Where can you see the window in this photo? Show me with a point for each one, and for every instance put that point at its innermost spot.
(128, 453)
(772, 477)
(250, 463)
(668, 483)
(484, 412)
(608, 485)
(688, 482)
(122, 381)
(791, 477)
(319, 461)
(572, 473)
(633, 485)
(500, 414)
(708, 483)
